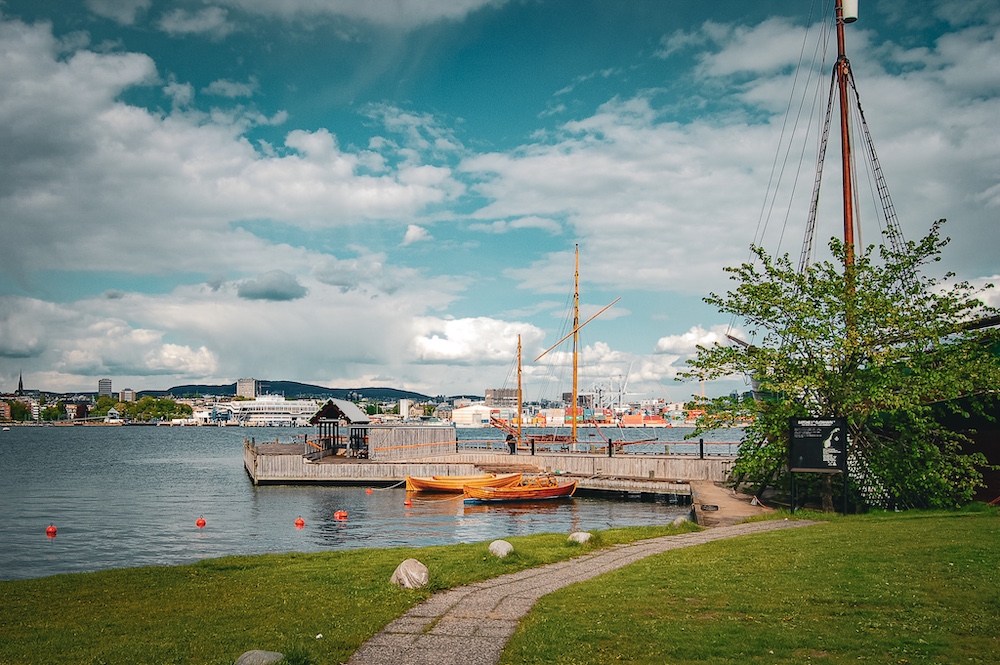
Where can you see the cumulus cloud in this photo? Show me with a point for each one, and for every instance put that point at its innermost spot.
(276, 285)
(415, 234)
(477, 340)
(686, 344)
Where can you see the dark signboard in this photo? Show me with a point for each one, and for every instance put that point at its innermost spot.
(818, 445)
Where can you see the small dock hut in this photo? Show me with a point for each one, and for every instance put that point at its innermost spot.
(329, 420)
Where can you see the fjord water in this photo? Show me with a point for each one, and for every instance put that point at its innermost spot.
(130, 496)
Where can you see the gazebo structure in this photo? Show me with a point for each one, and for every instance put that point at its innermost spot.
(333, 415)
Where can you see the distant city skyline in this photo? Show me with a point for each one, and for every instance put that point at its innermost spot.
(389, 193)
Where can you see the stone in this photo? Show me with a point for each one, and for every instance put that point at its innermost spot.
(500, 548)
(410, 574)
(581, 537)
(259, 657)
(679, 520)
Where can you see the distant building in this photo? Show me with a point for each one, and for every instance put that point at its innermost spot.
(4, 411)
(20, 385)
(246, 388)
(404, 408)
(76, 410)
(501, 397)
(104, 388)
(127, 395)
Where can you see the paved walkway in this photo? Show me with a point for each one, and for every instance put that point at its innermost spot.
(470, 625)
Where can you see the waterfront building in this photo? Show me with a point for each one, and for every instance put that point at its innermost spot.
(272, 411)
(498, 397)
(104, 388)
(127, 395)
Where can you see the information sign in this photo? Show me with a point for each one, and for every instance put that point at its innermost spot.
(818, 445)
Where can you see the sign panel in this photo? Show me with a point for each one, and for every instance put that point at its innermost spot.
(818, 445)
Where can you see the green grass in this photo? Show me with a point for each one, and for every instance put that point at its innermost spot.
(891, 588)
(213, 611)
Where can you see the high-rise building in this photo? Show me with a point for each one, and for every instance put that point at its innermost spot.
(246, 388)
(127, 395)
(104, 388)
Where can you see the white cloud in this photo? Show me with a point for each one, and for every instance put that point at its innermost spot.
(415, 234)
(211, 21)
(686, 344)
(226, 88)
(402, 14)
(122, 11)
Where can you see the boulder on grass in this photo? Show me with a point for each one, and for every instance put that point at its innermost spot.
(581, 537)
(500, 548)
(259, 657)
(411, 574)
(679, 520)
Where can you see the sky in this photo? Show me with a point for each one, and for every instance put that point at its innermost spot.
(389, 192)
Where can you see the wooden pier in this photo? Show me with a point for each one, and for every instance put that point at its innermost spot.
(670, 475)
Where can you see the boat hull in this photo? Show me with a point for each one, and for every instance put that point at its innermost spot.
(531, 492)
(454, 484)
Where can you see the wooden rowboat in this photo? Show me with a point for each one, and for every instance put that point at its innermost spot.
(454, 484)
(535, 490)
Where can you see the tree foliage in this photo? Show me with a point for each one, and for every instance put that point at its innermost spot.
(879, 343)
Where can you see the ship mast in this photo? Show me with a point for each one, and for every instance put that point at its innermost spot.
(520, 399)
(843, 67)
(576, 340)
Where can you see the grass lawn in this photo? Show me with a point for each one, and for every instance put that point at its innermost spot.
(918, 587)
(213, 611)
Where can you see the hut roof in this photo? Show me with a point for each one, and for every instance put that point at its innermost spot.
(340, 409)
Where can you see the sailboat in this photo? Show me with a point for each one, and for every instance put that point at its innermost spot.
(574, 412)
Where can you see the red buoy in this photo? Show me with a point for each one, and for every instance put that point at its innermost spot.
(340, 515)
(200, 522)
(300, 523)
(50, 531)
(407, 503)
(368, 491)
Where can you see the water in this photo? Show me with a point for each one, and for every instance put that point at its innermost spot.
(130, 496)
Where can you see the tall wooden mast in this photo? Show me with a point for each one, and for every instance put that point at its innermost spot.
(843, 73)
(520, 399)
(576, 340)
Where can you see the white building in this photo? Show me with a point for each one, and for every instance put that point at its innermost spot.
(272, 411)
(478, 415)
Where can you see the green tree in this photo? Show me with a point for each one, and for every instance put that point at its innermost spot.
(888, 348)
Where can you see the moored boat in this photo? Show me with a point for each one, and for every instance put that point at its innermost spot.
(454, 484)
(534, 490)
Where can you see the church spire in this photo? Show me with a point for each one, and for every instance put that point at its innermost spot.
(20, 385)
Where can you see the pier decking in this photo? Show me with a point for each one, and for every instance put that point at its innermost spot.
(670, 475)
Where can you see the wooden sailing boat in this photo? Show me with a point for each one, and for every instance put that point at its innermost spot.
(575, 411)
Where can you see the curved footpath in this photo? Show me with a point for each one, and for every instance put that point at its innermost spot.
(471, 624)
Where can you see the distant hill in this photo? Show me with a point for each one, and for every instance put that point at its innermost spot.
(293, 390)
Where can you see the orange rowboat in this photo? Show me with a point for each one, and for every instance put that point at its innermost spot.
(534, 491)
(454, 484)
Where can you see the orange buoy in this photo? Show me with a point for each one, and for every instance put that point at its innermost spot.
(340, 515)
(407, 503)
(300, 523)
(50, 531)
(368, 491)
(200, 522)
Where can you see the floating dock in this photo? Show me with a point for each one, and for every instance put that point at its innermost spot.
(621, 475)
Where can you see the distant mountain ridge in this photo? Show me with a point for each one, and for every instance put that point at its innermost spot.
(291, 390)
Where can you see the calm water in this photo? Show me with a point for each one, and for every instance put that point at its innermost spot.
(130, 496)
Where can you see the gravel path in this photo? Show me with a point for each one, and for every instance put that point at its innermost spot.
(470, 625)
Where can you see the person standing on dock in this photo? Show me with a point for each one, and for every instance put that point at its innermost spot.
(512, 444)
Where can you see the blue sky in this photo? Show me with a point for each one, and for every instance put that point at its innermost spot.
(389, 192)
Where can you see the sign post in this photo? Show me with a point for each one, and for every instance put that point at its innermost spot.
(817, 445)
